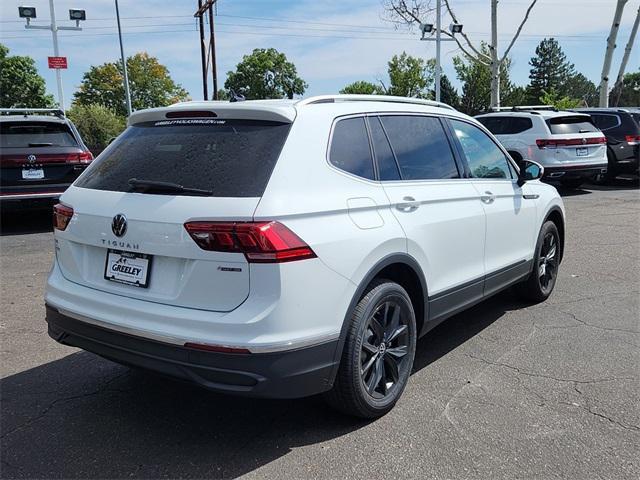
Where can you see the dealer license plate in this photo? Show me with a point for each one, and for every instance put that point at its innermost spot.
(128, 267)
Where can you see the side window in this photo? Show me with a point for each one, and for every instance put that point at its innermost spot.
(350, 150)
(421, 147)
(387, 166)
(484, 157)
(506, 125)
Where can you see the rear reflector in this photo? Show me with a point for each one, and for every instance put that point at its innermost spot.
(216, 348)
(261, 242)
(570, 142)
(633, 139)
(61, 216)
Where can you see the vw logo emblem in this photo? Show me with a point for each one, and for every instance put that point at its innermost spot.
(119, 225)
(31, 159)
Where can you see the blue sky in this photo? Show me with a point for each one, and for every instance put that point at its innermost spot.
(332, 42)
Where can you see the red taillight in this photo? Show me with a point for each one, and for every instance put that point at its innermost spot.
(633, 139)
(85, 157)
(61, 216)
(216, 348)
(570, 142)
(261, 242)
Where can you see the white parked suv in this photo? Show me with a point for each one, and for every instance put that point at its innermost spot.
(567, 144)
(288, 248)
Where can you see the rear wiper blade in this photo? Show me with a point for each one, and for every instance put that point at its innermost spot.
(167, 187)
(40, 144)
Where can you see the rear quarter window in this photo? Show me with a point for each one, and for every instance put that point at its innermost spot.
(233, 158)
(350, 150)
(35, 134)
(571, 124)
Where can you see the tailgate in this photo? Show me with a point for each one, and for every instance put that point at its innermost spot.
(178, 272)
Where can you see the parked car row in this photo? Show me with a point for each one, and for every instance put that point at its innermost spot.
(573, 146)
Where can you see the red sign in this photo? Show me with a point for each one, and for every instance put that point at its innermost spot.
(57, 62)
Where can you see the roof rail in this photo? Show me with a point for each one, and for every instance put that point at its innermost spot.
(520, 108)
(371, 98)
(26, 111)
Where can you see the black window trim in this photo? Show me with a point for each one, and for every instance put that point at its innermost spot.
(497, 144)
(393, 153)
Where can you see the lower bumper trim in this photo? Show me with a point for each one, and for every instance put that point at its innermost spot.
(291, 374)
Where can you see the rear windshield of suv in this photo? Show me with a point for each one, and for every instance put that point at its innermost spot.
(571, 124)
(35, 134)
(232, 158)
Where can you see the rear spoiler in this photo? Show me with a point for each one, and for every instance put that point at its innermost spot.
(32, 111)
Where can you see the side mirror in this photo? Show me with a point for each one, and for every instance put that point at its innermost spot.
(529, 170)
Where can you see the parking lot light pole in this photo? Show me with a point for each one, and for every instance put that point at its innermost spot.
(428, 28)
(31, 14)
(125, 79)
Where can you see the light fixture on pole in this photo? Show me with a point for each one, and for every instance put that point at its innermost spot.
(427, 28)
(56, 62)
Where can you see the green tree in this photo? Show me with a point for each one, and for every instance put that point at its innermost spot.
(265, 73)
(410, 76)
(582, 89)
(476, 83)
(561, 102)
(515, 96)
(97, 124)
(363, 87)
(149, 82)
(20, 83)
(630, 94)
(448, 93)
(549, 70)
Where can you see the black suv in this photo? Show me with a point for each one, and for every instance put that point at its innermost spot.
(621, 126)
(41, 154)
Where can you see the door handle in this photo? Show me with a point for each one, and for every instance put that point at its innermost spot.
(488, 197)
(408, 204)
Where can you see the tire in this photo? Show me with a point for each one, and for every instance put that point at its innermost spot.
(572, 183)
(611, 174)
(374, 370)
(537, 287)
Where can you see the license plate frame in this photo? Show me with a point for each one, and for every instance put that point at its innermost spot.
(33, 173)
(136, 260)
(582, 151)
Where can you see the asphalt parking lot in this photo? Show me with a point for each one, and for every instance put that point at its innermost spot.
(504, 390)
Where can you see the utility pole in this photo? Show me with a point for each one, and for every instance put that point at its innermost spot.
(608, 57)
(204, 7)
(127, 94)
(77, 15)
(617, 88)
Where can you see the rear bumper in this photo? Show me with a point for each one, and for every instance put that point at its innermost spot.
(574, 171)
(289, 374)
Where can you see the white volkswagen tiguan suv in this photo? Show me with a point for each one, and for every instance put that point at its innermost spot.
(287, 248)
(568, 145)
